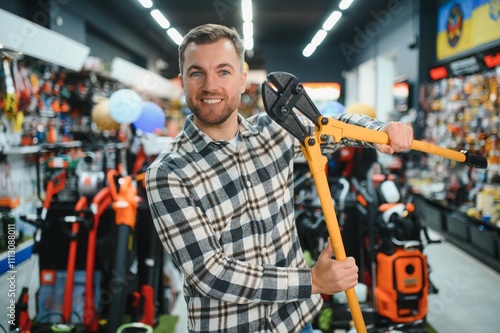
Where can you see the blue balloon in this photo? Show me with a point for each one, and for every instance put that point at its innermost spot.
(151, 118)
(331, 108)
(125, 106)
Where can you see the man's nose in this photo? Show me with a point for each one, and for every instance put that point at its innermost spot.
(210, 82)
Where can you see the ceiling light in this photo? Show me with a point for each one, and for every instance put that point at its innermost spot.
(160, 19)
(175, 35)
(146, 3)
(248, 42)
(318, 38)
(332, 20)
(248, 29)
(246, 10)
(344, 4)
(308, 50)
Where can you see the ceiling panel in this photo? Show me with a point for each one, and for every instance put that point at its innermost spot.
(275, 21)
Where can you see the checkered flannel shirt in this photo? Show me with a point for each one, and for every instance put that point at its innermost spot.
(226, 215)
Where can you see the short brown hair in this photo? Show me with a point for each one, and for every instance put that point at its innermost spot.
(209, 33)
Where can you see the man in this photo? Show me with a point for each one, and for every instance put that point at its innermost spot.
(222, 201)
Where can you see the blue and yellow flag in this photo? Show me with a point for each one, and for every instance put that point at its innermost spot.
(466, 24)
(485, 21)
(454, 28)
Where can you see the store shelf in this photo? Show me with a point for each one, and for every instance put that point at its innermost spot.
(434, 215)
(479, 239)
(459, 226)
(484, 239)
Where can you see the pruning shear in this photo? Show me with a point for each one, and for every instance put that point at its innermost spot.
(282, 93)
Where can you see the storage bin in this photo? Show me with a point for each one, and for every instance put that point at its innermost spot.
(484, 239)
(458, 226)
(431, 215)
(497, 243)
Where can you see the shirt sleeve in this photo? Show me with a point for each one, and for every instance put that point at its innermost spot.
(188, 235)
(330, 145)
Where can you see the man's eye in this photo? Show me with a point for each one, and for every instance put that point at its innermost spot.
(195, 74)
(224, 72)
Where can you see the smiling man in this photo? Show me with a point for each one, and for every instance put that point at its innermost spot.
(221, 196)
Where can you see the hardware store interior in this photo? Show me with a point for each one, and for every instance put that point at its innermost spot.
(91, 100)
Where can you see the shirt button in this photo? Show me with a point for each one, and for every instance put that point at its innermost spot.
(249, 184)
(264, 250)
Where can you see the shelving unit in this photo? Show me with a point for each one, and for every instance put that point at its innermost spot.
(479, 239)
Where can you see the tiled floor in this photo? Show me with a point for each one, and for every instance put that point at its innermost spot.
(469, 292)
(468, 300)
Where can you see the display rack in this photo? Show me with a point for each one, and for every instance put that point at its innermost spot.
(479, 239)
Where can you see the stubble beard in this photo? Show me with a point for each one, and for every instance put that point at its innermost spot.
(211, 117)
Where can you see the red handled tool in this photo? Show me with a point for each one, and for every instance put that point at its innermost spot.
(150, 275)
(101, 201)
(80, 207)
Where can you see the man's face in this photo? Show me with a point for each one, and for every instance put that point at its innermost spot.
(212, 81)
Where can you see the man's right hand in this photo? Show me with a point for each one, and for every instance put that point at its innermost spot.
(331, 276)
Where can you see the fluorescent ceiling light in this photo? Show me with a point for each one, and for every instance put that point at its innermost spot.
(318, 38)
(344, 4)
(248, 29)
(246, 10)
(146, 3)
(308, 50)
(175, 36)
(248, 42)
(332, 20)
(160, 19)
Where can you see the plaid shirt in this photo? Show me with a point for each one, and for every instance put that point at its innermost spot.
(226, 215)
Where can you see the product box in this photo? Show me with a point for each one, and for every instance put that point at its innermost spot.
(50, 296)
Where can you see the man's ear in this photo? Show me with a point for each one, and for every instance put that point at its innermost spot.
(243, 85)
(180, 79)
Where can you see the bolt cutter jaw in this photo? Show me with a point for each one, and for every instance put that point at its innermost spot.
(281, 94)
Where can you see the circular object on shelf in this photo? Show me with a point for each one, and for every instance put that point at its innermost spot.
(125, 106)
(102, 118)
(151, 118)
(61, 328)
(135, 327)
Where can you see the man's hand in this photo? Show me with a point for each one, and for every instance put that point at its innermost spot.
(400, 138)
(332, 276)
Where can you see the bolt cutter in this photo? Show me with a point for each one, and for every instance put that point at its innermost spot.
(281, 94)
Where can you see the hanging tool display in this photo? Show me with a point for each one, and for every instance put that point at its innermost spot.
(282, 92)
(10, 106)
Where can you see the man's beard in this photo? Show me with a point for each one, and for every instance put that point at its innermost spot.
(211, 117)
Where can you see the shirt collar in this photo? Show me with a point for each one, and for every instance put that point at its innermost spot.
(200, 140)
